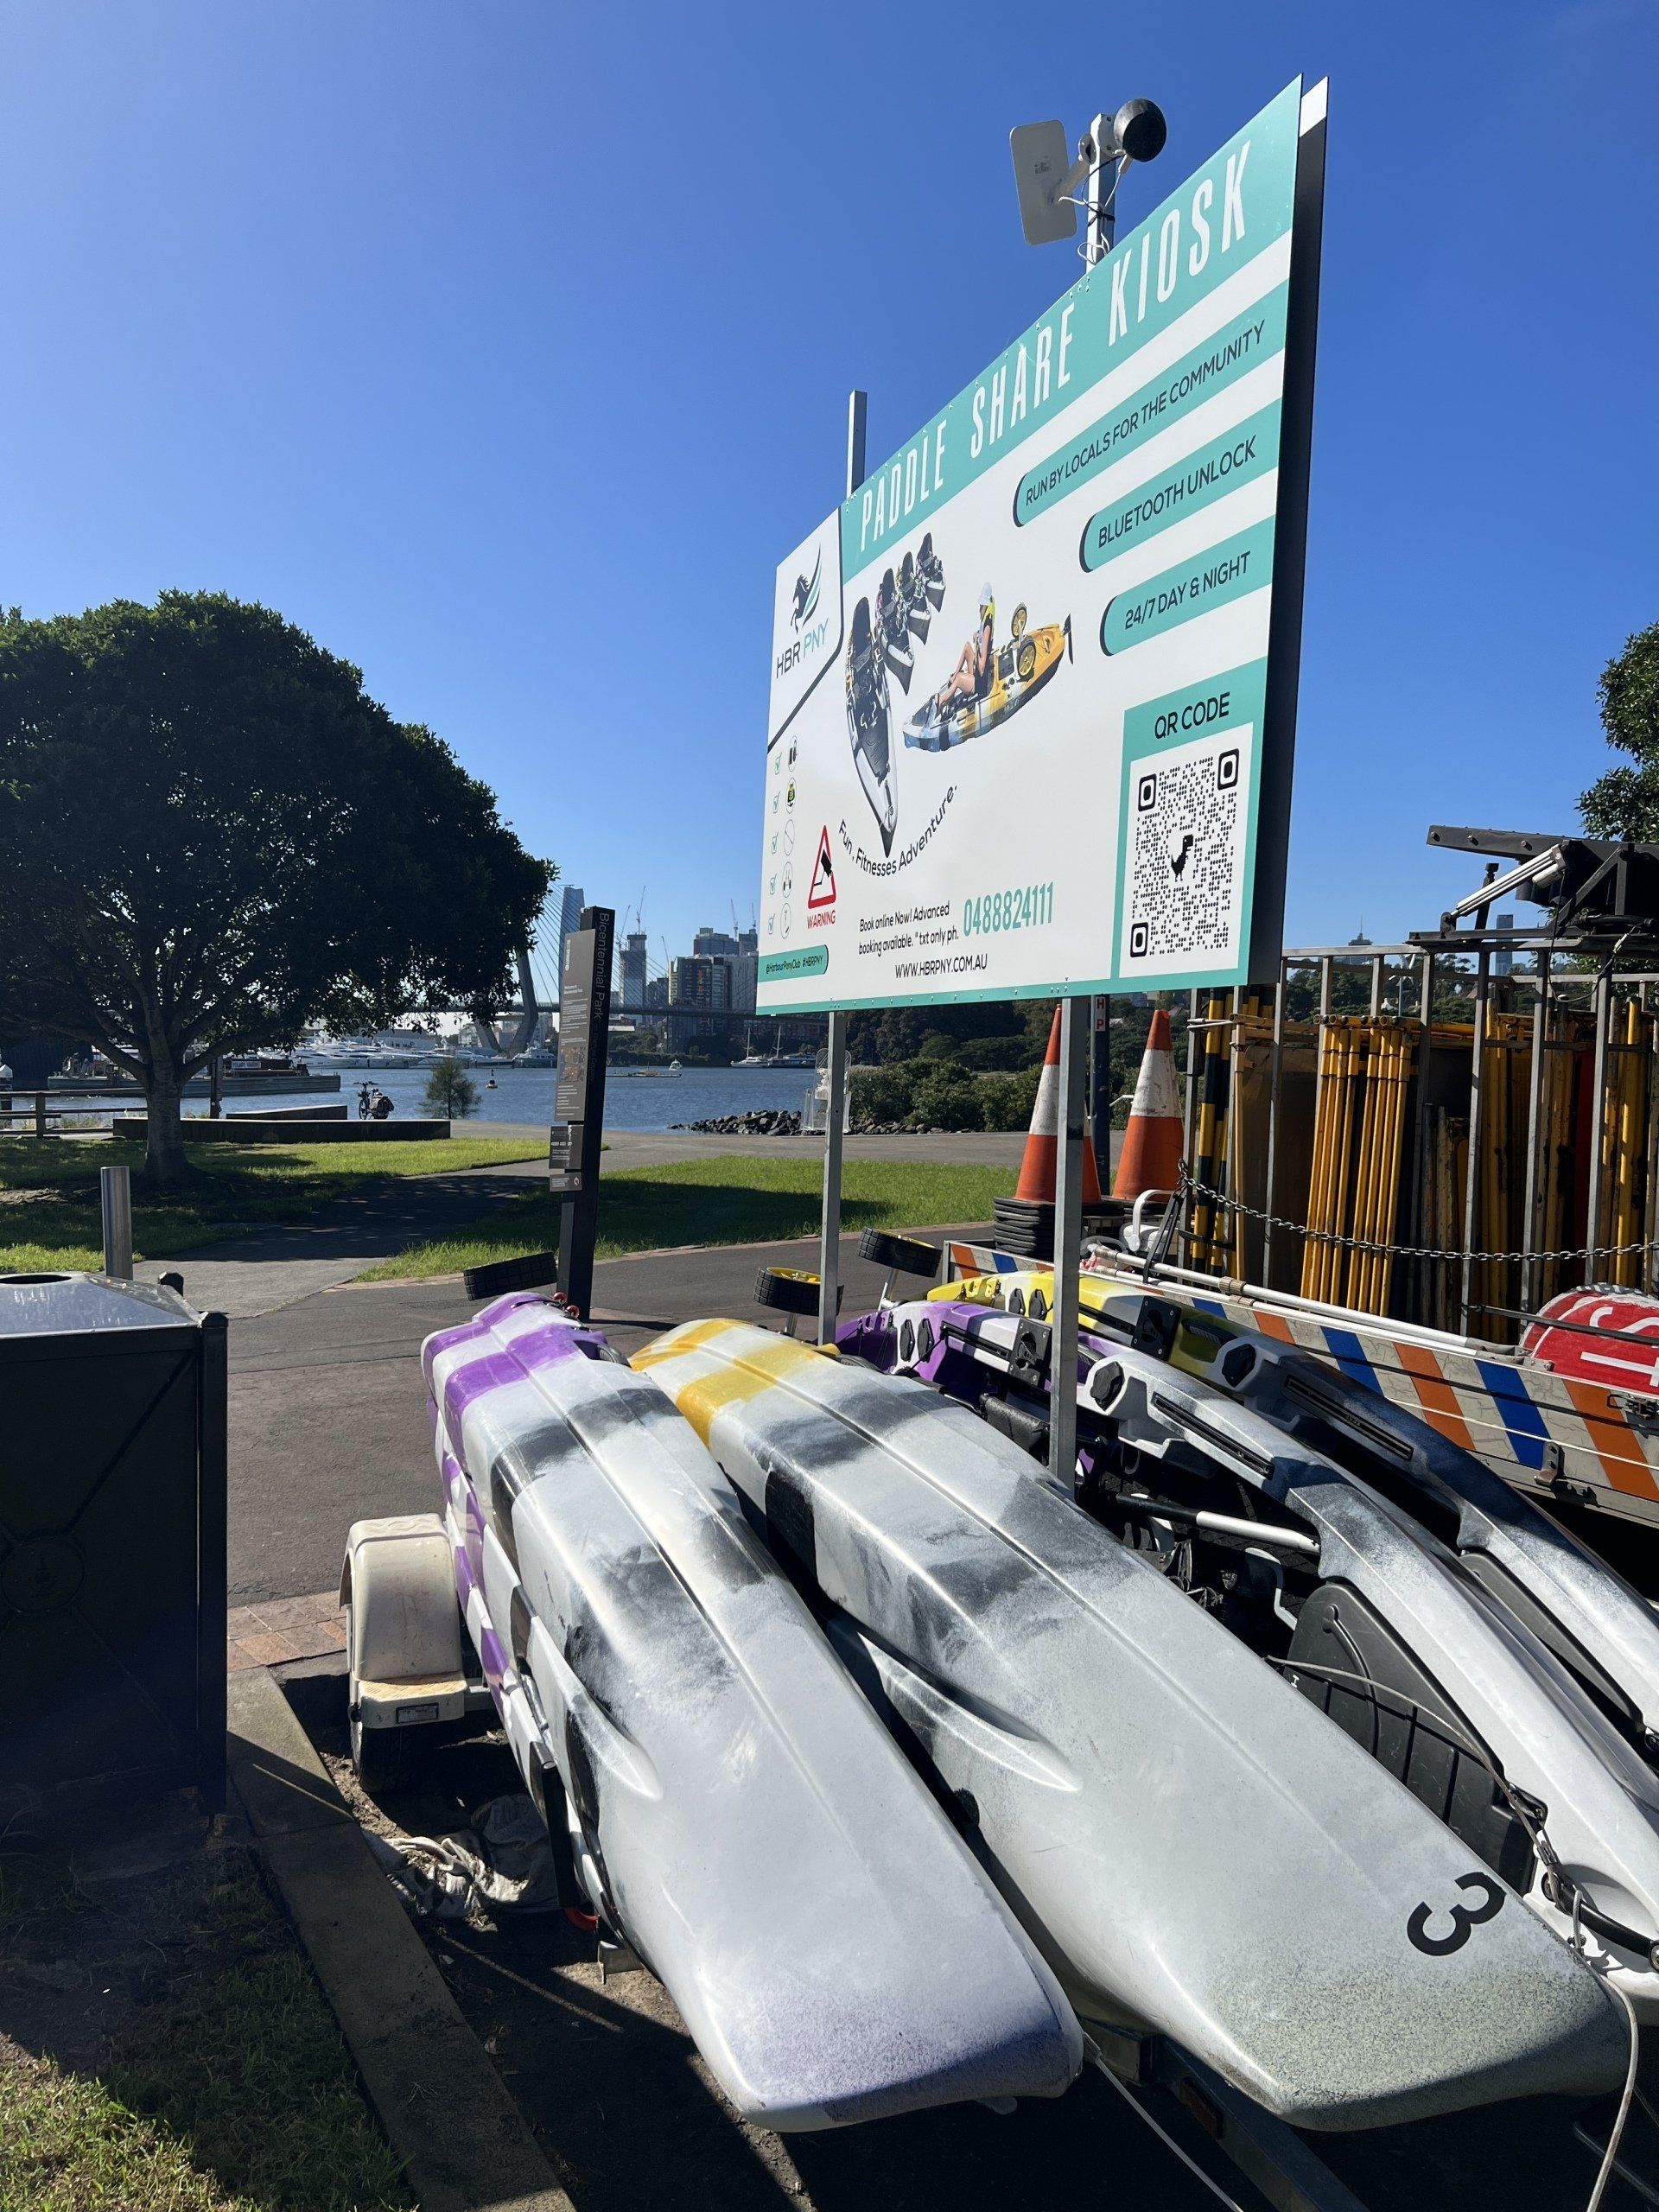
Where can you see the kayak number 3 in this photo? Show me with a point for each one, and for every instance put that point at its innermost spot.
(1462, 1917)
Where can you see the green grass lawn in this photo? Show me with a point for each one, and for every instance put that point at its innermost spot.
(733, 1199)
(49, 1214)
(165, 2045)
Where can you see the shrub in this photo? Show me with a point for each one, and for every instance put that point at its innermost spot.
(946, 1097)
(883, 1094)
(1006, 1100)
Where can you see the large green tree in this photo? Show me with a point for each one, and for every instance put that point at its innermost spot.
(1625, 802)
(210, 835)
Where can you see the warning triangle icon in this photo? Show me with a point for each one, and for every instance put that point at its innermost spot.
(822, 892)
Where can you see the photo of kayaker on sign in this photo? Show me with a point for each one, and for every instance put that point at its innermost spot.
(989, 683)
(974, 672)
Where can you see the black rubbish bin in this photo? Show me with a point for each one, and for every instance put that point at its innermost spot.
(112, 1468)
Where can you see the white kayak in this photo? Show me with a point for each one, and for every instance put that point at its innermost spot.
(1435, 1655)
(1193, 1844)
(1596, 1624)
(736, 1813)
(1389, 1596)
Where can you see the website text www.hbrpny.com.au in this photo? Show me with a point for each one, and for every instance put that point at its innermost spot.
(906, 929)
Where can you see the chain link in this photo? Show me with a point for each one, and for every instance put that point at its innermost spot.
(1191, 1185)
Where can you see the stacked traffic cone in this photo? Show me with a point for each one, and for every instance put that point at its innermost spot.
(1025, 1222)
(1151, 1158)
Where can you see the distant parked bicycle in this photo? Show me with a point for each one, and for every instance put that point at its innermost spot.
(365, 1101)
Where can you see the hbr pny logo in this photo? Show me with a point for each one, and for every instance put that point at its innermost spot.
(808, 636)
(806, 623)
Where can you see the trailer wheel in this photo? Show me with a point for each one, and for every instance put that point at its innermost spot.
(404, 1639)
(904, 1255)
(789, 1290)
(384, 1758)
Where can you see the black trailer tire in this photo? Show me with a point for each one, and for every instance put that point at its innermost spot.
(384, 1758)
(789, 1290)
(905, 1255)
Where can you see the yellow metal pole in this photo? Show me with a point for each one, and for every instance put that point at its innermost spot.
(1313, 1212)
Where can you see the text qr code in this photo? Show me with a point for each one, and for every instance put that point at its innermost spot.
(1185, 852)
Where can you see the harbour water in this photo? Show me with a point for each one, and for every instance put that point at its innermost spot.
(631, 1102)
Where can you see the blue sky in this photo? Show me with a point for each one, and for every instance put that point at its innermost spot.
(506, 348)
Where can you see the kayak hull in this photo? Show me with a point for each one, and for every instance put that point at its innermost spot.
(1428, 1620)
(1600, 1629)
(1196, 1849)
(734, 1811)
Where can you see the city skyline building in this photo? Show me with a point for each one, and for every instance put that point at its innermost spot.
(572, 900)
(632, 970)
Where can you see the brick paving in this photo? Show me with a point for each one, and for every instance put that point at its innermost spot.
(283, 1629)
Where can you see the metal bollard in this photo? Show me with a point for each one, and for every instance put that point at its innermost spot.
(115, 1188)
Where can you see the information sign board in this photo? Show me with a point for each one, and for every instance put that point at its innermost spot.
(575, 1026)
(1034, 684)
(564, 1158)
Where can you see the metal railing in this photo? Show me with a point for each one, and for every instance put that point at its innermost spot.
(1544, 1002)
(47, 1113)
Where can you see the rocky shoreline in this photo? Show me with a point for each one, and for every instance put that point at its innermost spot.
(779, 1122)
(782, 1123)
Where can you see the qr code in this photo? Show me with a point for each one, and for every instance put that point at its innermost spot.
(1184, 853)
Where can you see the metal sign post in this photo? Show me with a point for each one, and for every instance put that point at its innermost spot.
(1102, 192)
(835, 1067)
(1068, 1241)
(1100, 1089)
(578, 1133)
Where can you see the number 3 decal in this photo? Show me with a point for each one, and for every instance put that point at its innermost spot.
(1462, 1917)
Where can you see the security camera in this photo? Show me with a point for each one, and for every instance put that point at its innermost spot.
(1140, 130)
(1048, 184)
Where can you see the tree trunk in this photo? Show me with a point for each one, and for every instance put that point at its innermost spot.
(164, 1158)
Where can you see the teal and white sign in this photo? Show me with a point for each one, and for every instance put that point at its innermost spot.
(1033, 686)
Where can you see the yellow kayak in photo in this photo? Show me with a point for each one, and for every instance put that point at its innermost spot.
(1020, 669)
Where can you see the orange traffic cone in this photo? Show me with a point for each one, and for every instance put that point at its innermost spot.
(1036, 1184)
(1151, 1158)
